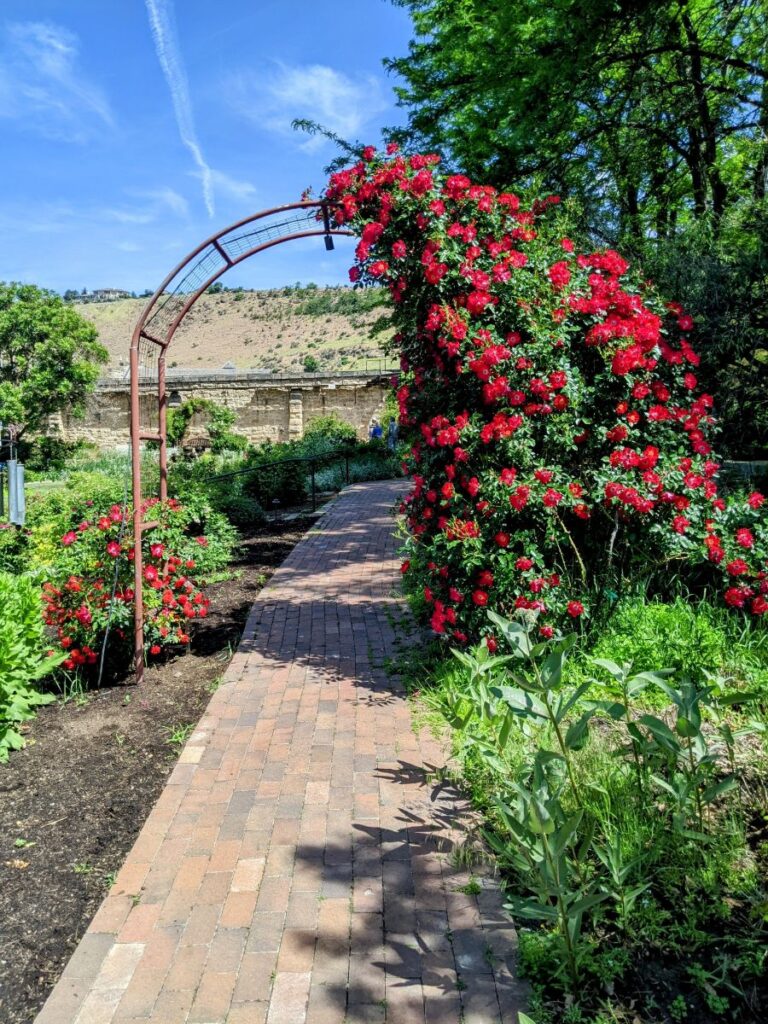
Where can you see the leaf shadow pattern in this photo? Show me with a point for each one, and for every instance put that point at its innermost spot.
(401, 933)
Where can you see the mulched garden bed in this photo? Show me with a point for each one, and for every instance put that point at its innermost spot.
(74, 800)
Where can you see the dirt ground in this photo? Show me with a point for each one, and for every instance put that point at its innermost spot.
(74, 800)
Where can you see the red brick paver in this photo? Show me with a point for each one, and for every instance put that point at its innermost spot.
(302, 865)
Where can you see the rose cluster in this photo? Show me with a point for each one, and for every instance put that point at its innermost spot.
(561, 442)
(94, 583)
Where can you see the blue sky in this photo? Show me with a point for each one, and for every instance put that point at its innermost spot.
(132, 129)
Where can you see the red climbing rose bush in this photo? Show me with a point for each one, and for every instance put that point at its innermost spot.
(561, 441)
(94, 582)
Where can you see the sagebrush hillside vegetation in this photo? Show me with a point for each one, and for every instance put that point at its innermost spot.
(276, 329)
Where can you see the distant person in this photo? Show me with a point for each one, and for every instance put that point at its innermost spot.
(392, 433)
(376, 432)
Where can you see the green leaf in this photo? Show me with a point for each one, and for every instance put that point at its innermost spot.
(711, 793)
(514, 633)
(684, 727)
(565, 706)
(729, 699)
(530, 910)
(565, 833)
(522, 703)
(578, 731)
(610, 666)
(587, 902)
(660, 732)
(614, 709)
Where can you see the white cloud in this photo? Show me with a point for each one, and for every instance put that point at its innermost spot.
(313, 91)
(231, 188)
(18, 218)
(44, 218)
(42, 85)
(169, 198)
(162, 24)
(127, 216)
(156, 203)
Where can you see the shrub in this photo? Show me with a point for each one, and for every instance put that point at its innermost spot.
(23, 657)
(14, 541)
(218, 422)
(561, 441)
(48, 453)
(240, 509)
(284, 483)
(96, 557)
(53, 514)
(331, 431)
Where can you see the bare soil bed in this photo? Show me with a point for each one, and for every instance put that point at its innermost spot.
(73, 802)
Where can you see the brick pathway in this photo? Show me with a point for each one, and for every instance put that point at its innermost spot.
(302, 864)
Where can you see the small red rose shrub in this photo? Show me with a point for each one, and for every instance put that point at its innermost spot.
(97, 555)
(562, 441)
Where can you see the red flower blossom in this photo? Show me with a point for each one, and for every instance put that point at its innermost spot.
(559, 275)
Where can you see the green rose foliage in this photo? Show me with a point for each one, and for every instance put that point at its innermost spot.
(561, 441)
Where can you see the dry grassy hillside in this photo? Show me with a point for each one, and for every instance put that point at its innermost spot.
(274, 330)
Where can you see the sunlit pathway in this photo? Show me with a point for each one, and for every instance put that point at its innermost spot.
(303, 863)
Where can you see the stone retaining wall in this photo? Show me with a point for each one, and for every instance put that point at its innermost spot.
(275, 407)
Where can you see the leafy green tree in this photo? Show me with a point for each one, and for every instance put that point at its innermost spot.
(649, 111)
(49, 356)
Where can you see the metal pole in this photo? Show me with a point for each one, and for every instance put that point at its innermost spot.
(21, 504)
(138, 635)
(162, 417)
(314, 494)
(12, 506)
(2, 489)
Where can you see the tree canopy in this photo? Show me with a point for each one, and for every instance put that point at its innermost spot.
(650, 112)
(49, 356)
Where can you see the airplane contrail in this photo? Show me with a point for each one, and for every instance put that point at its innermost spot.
(162, 24)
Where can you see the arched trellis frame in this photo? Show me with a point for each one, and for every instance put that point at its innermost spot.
(154, 333)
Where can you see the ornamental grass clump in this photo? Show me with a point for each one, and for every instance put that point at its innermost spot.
(561, 441)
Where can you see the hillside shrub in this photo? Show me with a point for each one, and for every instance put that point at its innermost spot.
(562, 444)
(24, 658)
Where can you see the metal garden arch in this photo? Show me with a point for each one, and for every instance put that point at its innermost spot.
(154, 333)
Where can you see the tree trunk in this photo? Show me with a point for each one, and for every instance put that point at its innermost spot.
(707, 131)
